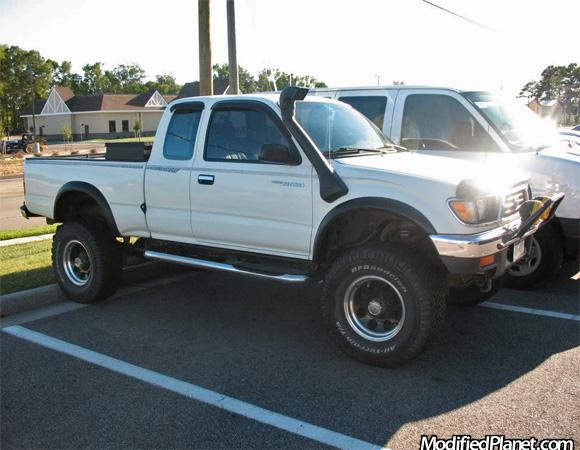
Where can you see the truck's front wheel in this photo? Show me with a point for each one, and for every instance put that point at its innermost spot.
(86, 260)
(381, 306)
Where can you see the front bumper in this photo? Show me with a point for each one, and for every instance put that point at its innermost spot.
(494, 249)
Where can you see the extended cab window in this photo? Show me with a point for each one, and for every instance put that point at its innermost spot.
(371, 106)
(181, 134)
(439, 122)
(239, 134)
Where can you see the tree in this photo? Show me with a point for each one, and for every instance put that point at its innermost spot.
(164, 84)
(137, 128)
(246, 81)
(16, 66)
(273, 79)
(560, 83)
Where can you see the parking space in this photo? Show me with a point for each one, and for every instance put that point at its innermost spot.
(263, 347)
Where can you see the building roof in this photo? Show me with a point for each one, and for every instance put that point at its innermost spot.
(192, 89)
(62, 101)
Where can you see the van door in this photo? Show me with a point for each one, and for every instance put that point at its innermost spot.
(442, 123)
(376, 104)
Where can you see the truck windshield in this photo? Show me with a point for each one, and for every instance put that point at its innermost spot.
(338, 129)
(519, 126)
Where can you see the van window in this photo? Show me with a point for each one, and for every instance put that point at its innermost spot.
(371, 106)
(439, 122)
(181, 134)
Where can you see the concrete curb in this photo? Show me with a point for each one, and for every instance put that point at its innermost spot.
(24, 301)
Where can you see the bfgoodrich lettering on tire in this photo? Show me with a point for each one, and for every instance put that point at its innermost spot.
(86, 260)
(382, 306)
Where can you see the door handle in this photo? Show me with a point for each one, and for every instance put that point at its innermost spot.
(205, 179)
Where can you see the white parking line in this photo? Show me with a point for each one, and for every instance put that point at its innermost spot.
(537, 312)
(195, 392)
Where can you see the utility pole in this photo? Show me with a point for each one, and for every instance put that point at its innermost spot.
(232, 54)
(33, 100)
(205, 69)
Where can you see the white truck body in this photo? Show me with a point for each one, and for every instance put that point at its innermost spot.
(242, 184)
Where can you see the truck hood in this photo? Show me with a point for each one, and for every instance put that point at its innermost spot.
(490, 178)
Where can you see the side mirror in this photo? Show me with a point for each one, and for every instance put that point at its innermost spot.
(275, 153)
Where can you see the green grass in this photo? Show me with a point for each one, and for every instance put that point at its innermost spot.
(25, 266)
(132, 139)
(27, 232)
(28, 266)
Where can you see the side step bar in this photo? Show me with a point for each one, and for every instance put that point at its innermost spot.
(210, 265)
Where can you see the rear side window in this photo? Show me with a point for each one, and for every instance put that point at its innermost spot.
(181, 134)
(373, 107)
(439, 122)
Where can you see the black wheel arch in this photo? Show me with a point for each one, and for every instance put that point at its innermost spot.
(384, 207)
(80, 200)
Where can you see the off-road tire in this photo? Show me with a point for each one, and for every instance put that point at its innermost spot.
(382, 306)
(87, 261)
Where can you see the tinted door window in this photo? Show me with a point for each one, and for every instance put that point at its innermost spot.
(373, 107)
(439, 122)
(238, 135)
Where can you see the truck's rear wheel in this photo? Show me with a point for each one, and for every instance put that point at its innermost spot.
(86, 260)
(381, 306)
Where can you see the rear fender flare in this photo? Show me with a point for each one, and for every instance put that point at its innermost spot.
(92, 192)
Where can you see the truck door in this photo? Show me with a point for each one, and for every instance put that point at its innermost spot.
(168, 173)
(241, 202)
(438, 123)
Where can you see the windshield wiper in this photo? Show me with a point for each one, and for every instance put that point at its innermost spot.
(395, 147)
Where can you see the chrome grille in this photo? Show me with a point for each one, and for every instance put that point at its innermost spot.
(513, 201)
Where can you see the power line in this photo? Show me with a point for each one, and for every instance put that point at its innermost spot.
(458, 15)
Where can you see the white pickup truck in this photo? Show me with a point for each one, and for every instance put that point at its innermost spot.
(485, 128)
(294, 189)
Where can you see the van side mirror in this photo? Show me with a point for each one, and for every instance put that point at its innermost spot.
(275, 153)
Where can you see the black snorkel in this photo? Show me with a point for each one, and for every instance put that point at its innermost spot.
(331, 185)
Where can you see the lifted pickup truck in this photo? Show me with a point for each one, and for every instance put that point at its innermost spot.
(294, 189)
(485, 128)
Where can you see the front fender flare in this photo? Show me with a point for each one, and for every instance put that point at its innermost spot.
(394, 207)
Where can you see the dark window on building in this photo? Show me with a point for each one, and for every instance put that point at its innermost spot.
(181, 134)
(125, 125)
(238, 135)
(373, 107)
(440, 122)
(112, 126)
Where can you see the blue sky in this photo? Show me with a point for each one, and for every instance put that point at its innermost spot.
(344, 43)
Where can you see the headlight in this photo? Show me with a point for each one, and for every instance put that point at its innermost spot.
(476, 211)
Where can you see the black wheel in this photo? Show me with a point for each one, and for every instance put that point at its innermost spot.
(86, 260)
(542, 262)
(381, 306)
(470, 294)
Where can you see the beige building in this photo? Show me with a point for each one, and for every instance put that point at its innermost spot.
(102, 116)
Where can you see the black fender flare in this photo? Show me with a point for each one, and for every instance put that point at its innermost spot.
(380, 204)
(92, 192)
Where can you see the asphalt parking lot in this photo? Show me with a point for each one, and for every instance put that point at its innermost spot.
(207, 360)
